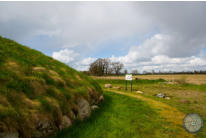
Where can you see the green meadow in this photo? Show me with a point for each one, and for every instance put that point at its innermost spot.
(130, 114)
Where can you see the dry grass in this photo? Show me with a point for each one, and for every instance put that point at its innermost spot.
(188, 78)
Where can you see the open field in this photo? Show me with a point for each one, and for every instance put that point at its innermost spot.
(130, 114)
(186, 98)
(189, 78)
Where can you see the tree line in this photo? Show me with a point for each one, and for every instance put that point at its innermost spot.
(104, 66)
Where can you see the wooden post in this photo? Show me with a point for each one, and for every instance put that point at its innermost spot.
(125, 85)
(131, 85)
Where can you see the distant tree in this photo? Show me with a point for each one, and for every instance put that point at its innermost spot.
(96, 68)
(105, 67)
(144, 72)
(134, 72)
(117, 66)
(100, 67)
(125, 71)
(153, 72)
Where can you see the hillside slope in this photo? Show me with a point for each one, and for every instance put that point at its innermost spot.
(39, 95)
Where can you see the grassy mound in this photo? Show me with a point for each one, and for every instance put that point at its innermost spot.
(34, 86)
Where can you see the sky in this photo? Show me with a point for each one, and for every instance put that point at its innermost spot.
(144, 36)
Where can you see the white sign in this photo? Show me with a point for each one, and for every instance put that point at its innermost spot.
(128, 77)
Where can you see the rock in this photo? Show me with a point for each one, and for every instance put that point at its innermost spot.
(84, 110)
(9, 135)
(108, 85)
(168, 98)
(160, 95)
(101, 98)
(184, 101)
(93, 96)
(117, 87)
(140, 92)
(44, 128)
(94, 107)
(66, 122)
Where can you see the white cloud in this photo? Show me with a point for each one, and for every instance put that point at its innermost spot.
(87, 26)
(87, 61)
(154, 54)
(67, 56)
(70, 57)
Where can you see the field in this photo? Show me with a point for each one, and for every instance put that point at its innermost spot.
(194, 79)
(131, 114)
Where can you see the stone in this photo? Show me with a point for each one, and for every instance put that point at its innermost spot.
(94, 107)
(168, 98)
(84, 110)
(160, 95)
(9, 135)
(93, 96)
(66, 122)
(44, 128)
(101, 98)
(140, 92)
(108, 85)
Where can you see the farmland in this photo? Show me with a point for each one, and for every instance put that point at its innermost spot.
(194, 79)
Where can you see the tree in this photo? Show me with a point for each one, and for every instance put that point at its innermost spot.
(117, 66)
(99, 67)
(135, 72)
(104, 67)
(125, 71)
(144, 72)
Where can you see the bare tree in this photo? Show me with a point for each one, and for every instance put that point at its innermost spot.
(117, 66)
(144, 72)
(96, 67)
(106, 65)
(125, 71)
(135, 72)
(99, 67)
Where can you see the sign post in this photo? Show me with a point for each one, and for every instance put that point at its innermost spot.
(128, 77)
(125, 85)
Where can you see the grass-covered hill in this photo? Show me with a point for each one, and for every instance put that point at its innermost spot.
(38, 92)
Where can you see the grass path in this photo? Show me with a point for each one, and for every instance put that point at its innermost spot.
(121, 116)
(126, 115)
(171, 114)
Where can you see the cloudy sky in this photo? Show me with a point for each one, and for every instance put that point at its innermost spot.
(142, 35)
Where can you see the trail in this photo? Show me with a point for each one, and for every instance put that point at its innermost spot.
(171, 114)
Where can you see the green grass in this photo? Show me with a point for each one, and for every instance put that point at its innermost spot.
(195, 94)
(33, 83)
(123, 117)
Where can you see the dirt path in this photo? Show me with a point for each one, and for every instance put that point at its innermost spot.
(170, 113)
